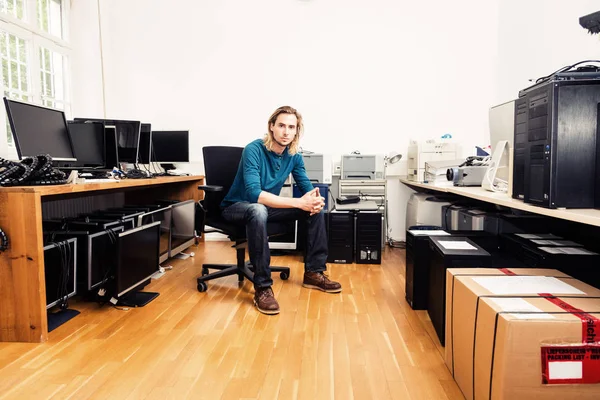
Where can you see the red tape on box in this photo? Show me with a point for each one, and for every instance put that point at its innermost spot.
(573, 363)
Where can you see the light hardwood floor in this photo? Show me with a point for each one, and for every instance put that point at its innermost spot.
(365, 343)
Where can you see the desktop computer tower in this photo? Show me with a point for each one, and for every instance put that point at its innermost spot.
(341, 237)
(555, 143)
(368, 237)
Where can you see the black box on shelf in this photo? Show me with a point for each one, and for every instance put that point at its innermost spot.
(449, 252)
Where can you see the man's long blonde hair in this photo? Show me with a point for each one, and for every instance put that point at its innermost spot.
(295, 145)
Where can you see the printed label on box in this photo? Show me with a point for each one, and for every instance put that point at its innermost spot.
(571, 364)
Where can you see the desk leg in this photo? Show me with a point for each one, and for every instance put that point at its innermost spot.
(22, 282)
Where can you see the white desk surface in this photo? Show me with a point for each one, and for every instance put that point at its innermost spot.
(587, 216)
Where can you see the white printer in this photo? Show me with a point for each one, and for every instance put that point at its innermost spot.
(318, 167)
(362, 167)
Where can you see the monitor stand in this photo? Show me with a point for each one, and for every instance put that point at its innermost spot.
(167, 167)
(58, 318)
(136, 299)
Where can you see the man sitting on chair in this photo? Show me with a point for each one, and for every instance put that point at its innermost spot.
(254, 199)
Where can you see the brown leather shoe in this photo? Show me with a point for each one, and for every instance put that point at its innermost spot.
(264, 299)
(318, 280)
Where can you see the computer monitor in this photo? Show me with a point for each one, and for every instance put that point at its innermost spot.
(112, 152)
(171, 146)
(88, 142)
(145, 144)
(163, 215)
(102, 256)
(127, 137)
(39, 130)
(60, 266)
(182, 228)
(502, 123)
(137, 261)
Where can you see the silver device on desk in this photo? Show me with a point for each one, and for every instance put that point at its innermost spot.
(318, 167)
(467, 176)
(363, 167)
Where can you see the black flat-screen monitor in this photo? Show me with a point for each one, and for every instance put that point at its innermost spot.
(60, 266)
(137, 257)
(171, 146)
(182, 228)
(112, 152)
(102, 256)
(127, 137)
(145, 144)
(39, 130)
(88, 141)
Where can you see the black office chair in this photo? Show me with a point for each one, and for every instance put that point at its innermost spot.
(220, 167)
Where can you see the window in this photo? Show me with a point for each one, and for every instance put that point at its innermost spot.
(34, 53)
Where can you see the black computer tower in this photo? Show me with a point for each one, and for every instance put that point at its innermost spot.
(555, 143)
(341, 237)
(368, 237)
(417, 264)
(443, 256)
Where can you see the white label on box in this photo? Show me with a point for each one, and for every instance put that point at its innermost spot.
(520, 305)
(417, 232)
(565, 370)
(509, 285)
(456, 245)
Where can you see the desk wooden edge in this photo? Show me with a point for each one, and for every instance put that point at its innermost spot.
(22, 280)
(586, 216)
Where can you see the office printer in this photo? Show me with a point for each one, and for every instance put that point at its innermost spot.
(362, 167)
(318, 167)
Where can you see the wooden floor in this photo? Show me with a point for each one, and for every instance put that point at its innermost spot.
(365, 343)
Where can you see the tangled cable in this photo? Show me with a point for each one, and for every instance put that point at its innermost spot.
(36, 170)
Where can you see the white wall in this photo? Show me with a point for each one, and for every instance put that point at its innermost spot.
(86, 67)
(537, 37)
(365, 75)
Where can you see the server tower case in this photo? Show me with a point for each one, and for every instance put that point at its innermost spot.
(341, 237)
(555, 143)
(368, 237)
(441, 259)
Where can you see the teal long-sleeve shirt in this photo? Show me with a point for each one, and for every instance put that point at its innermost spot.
(263, 170)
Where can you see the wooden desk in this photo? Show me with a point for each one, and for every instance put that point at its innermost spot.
(22, 282)
(585, 216)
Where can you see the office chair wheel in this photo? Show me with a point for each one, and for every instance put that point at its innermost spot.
(284, 276)
(202, 287)
(204, 271)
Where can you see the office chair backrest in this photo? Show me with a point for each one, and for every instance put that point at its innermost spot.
(220, 167)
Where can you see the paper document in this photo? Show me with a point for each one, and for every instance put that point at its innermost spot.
(458, 245)
(555, 243)
(417, 232)
(510, 285)
(568, 250)
(537, 236)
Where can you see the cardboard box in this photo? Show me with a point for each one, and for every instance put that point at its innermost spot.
(470, 291)
(532, 348)
(451, 275)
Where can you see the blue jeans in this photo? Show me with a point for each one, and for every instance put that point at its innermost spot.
(255, 217)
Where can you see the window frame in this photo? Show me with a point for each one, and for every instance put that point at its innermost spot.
(36, 39)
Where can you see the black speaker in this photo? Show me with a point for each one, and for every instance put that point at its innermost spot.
(368, 237)
(341, 237)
